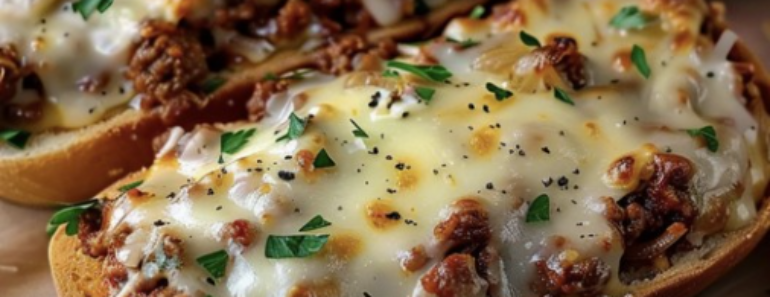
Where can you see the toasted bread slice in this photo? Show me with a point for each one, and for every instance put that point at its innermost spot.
(66, 167)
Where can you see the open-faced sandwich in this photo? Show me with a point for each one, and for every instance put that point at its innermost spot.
(552, 148)
(86, 85)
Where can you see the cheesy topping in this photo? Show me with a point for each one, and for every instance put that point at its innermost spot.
(64, 48)
(423, 158)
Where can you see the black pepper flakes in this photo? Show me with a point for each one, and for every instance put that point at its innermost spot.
(486, 108)
(471, 106)
(159, 223)
(563, 182)
(393, 216)
(546, 150)
(400, 166)
(286, 175)
(490, 186)
(576, 171)
(391, 191)
(374, 151)
(375, 100)
(210, 192)
(547, 182)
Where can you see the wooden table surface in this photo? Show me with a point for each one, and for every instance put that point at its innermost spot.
(23, 243)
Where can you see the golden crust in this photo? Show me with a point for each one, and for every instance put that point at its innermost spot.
(65, 172)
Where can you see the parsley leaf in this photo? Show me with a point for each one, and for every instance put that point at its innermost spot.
(477, 12)
(270, 76)
(87, 7)
(70, 216)
(500, 93)
(640, 61)
(562, 96)
(322, 160)
(294, 246)
(425, 93)
(390, 73)
(468, 43)
(232, 142)
(130, 186)
(529, 39)
(298, 74)
(212, 84)
(358, 132)
(709, 135)
(435, 73)
(629, 17)
(539, 210)
(296, 128)
(315, 223)
(15, 138)
(215, 263)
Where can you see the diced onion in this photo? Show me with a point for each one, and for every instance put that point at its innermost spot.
(386, 13)
(724, 45)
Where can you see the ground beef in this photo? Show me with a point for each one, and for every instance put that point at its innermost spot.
(353, 53)
(262, 92)
(10, 72)
(466, 230)
(90, 233)
(561, 277)
(455, 276)
(562, 54)
(167, 61)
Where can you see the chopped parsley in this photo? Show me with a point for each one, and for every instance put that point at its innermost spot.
(130, 186)
(425, 93)
(500, 93)
(539, 210)
(87, 7)
(358, 132)
(212, 84)
(270, 76)
(298, 74)
(477, 12)
(232, 142)
(315, 223)
(69, 216)
(390, 73)
(562, 96)
(296, 128)
(322, 160)
(639, 59)
(15, 138)
(529, 40)
(294, 246)
(709, 135)
(214, 263)
(468, 43)
(435, 73)
(629, 17)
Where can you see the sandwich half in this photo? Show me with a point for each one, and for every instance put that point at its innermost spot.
(85, 86)
(553, 148)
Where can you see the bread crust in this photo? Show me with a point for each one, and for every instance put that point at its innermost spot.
(76, 274)
(66, 172)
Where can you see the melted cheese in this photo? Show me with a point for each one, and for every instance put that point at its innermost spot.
(64, 49)
(503, 153)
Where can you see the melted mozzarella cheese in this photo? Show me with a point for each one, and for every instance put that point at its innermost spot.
(420, 158)
(64, 49)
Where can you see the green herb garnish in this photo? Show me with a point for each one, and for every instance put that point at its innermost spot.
(322, 160)
(214, 263)
(130, 186)
(629, 17)
(477, 12)
(562, 96)
(500, 93)
(640, 61)
(315, 223)
(529, 40)
(298, 74)
(358, 132)
(270, 76)
(709, 135)
(425, 93)
(539, 210)
(296, 128)
(212, 84)
(87, 7)
(232, 142)
(435, 73)
(294, 246)
(15, 138)
(390, 73)
(70, 216)
(468, 43)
